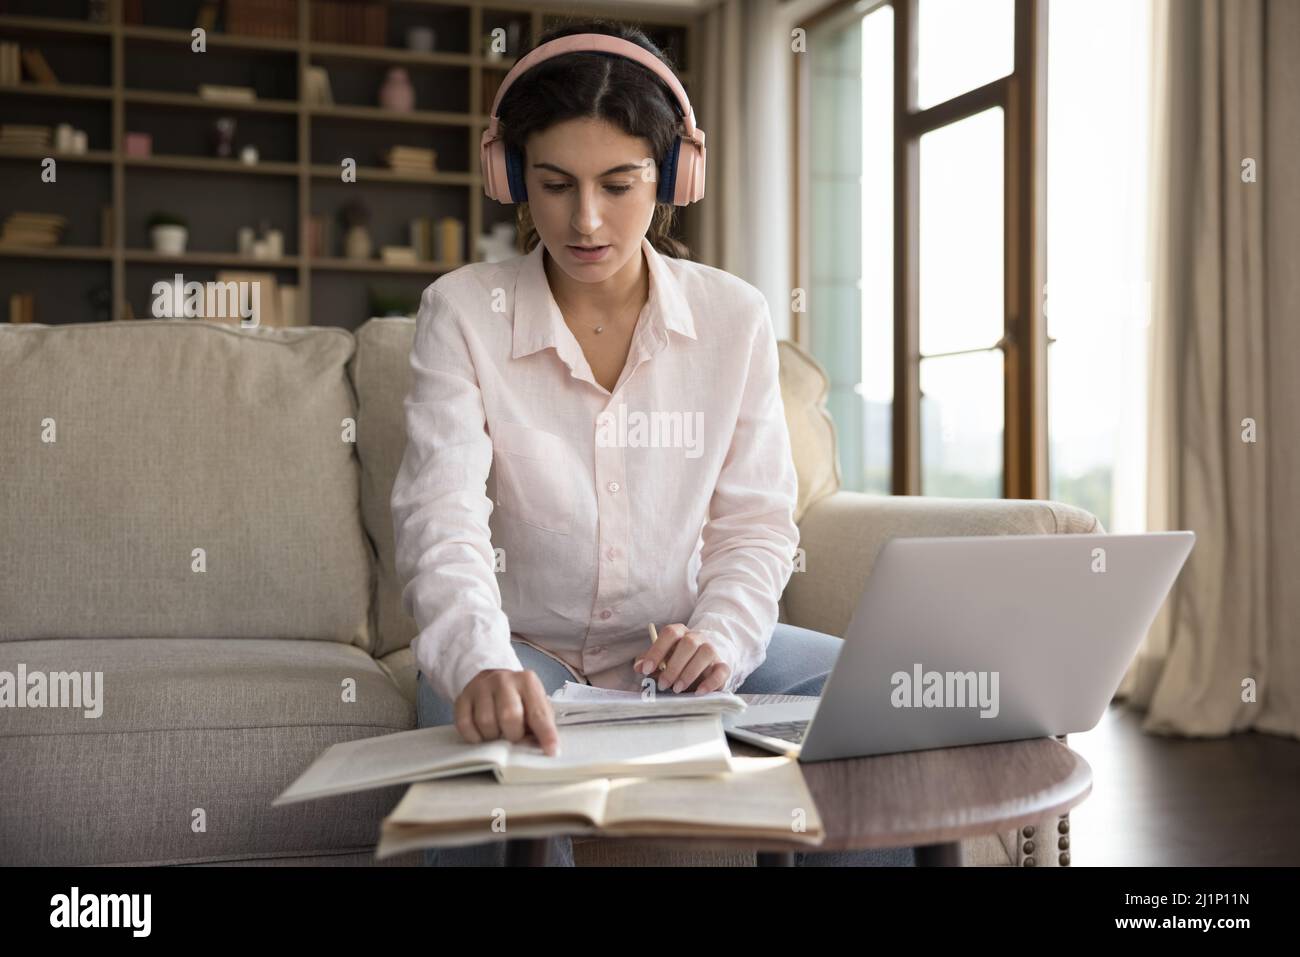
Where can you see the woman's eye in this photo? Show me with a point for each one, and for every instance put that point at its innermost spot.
(561, 187)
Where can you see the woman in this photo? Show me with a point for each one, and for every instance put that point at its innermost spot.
(620, 406)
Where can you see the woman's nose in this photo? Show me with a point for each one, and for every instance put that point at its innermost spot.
(586, 217)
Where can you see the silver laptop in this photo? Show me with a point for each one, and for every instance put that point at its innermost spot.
(966, 640)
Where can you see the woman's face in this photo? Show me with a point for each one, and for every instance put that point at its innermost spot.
(590, 184)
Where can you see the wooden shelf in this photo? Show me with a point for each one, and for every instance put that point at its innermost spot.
(215, 40)
(349, 51)
(193, 101)
(212, 164)
(56, 252)
(380, 115)
(64, 25)
(90, 156)
(378, 174)
(338, 264)
(63, 91)
(219, 195)
(210, 259)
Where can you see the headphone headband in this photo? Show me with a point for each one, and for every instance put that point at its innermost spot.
(596, 43)
(681, 170)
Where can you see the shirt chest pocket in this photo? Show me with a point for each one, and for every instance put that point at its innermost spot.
(534, 483)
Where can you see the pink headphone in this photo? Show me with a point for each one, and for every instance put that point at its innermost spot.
(681, 174)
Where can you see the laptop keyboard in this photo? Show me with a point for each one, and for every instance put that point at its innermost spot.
(792, 731)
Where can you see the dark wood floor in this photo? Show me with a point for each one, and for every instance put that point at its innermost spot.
(1178, 802)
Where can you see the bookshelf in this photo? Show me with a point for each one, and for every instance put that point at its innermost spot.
(136, 72)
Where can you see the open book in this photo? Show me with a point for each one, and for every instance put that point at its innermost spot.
(668, 747)
(757, 798)
(577, 703)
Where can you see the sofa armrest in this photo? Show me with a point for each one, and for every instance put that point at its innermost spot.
(842, 534)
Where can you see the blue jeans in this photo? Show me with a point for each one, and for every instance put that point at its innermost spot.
(798, 662)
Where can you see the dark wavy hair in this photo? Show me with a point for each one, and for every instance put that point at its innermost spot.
(594, 85)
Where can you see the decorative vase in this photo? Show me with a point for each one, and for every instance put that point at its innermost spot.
(356, 245)
(169, 240)
(397, 94)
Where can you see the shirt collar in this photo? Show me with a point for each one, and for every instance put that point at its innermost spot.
(538, 322)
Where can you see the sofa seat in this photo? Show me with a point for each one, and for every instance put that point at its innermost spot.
(221, 725)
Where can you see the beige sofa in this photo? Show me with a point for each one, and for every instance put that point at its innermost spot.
(199, 514)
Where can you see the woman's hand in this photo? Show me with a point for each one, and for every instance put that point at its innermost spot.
(689, 656)
(499, 703)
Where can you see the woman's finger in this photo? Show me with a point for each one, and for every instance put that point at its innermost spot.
(680, 656)
(652, 659)
(714, 678)
(703, 659)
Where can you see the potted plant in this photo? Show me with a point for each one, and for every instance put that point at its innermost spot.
(168, 233)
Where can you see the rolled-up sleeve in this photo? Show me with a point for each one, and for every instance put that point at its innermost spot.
(750, 538)
(440, 510)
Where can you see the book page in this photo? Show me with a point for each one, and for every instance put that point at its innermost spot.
(764, 794)
(392, 759)
(672, 746)
(575, 691)
(479, 800)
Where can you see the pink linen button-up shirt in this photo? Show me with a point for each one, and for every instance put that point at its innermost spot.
(534, 504)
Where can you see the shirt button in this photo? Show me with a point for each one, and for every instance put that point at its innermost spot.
(606, 613)
(613, 486)
(611, 553)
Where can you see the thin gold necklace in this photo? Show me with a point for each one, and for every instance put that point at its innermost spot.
(600, 328)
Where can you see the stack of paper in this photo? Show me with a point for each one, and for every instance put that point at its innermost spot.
(577, 703)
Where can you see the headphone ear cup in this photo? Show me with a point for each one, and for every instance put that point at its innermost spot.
(668, 172)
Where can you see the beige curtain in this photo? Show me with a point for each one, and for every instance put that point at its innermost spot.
(716, 236)
(1225, 347)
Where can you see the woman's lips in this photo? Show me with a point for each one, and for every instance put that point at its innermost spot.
(589, 255)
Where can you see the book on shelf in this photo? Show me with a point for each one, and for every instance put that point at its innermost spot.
(11, 70)
(227, 94)
(24, 136)
(320, 236)
(398, 255)
(38, 68)
(450, 244)
(229, 303)
(668, 747)
(276, 19)
(754, 799)
(32, 229)
(349, 21)
(206, 17)
(22, 307)
(421, 235)
(412, 159)
(437, 240)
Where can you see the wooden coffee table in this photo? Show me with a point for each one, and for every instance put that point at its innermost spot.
(927, 800)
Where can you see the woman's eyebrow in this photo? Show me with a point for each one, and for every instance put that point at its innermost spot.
(625, 168)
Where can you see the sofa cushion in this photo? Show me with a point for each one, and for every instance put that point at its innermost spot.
(381, 375)
(171, 436)
(222, 725)
(804, 386)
